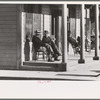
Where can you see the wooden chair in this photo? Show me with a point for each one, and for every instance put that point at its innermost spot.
(40, 54)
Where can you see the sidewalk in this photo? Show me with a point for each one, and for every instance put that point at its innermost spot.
(89, 71)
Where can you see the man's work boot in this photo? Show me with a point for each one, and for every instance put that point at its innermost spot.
(56, 58)
(50, 58)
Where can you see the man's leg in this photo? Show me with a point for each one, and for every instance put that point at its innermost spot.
(55, 49)
(49, 52)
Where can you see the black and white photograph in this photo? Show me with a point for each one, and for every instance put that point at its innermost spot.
(50, 41)
(47, 42)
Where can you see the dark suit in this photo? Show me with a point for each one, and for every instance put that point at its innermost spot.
(73, 42)
(37, 43)
(49, 41)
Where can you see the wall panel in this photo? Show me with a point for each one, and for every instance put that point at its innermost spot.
(8, 33)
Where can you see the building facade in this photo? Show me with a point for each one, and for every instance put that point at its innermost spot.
(19, 20)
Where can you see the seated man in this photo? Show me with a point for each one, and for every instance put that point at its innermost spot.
(37, 43)
(73, 42)
(47, 40)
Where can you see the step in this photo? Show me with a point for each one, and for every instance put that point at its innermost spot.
(43, 66)
(38, 68)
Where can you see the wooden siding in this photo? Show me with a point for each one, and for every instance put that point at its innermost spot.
(8, 33)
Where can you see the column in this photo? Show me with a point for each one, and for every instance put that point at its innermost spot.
(53, 24)
(57, 29)
(96, 57)
(88, 30)
(82, 36)
(64, 33)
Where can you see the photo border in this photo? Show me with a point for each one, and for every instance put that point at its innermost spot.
(6, 83)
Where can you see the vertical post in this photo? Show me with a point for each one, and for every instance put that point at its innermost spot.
(57, 31)
(96, 57)
(52, 24)
(86, 29)
(77, 21)
(82, 36)
(64, 33)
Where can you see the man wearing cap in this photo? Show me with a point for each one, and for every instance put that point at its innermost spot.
(37, 43)
(47, 40)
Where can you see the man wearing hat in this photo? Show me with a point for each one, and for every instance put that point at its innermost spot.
(47, 40)
(37, 43)
(37, 40)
